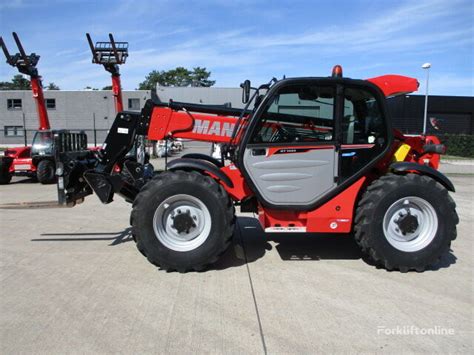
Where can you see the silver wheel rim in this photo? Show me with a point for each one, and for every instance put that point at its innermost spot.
(417, 238)
(195, 235)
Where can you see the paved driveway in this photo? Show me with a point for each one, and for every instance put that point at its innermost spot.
(72, 281)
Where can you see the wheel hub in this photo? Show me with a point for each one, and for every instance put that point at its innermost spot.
(407, 223)
(410, 224)
(183, 222)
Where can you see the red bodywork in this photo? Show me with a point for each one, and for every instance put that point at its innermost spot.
(22, 163)
(392, 85)
(37, 90)
(117, 90)
(334, 216)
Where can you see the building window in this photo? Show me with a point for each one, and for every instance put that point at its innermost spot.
(50, 104)
(134, 104)
(14, 104)
(13, 131)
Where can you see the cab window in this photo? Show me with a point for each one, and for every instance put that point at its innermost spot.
(298, 114)
(364, 131)
(363, 122)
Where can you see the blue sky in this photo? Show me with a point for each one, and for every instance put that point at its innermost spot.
(243, 39)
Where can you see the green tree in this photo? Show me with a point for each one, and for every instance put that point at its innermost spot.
(52, 86)
(200, 78)
(18, 82)
(177, 77)
(108, 87)
(90, 88)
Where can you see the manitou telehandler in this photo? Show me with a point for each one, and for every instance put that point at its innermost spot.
(38, 160)
(314, 154)
(110, 55)
(35, 160)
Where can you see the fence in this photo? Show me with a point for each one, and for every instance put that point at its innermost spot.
(25, 137)
(461, 145)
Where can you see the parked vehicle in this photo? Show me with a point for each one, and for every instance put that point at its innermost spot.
(314, 154)
(36, 160)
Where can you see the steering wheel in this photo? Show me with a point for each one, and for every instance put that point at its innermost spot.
(284, 135)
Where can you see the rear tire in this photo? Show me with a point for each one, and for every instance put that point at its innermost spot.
(182, 221)
(405, 222)
(5, 175)
(45, 172)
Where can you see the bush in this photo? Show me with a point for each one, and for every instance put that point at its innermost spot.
(461, 145)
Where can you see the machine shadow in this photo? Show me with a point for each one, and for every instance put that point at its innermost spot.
(116, 238)
(250, 243)
(24, 180)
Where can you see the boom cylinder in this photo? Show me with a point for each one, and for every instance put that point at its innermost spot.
(117, 90)
(37, 89)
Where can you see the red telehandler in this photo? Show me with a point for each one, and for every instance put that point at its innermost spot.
(314, 154)
(111, 55)
(36, 160)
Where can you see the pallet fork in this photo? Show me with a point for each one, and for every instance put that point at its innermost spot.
(111, 54)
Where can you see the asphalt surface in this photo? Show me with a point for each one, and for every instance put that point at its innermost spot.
(72, 281)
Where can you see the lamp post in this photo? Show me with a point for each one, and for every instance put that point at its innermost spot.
(95, 130)
(426, 66)
(24, 128)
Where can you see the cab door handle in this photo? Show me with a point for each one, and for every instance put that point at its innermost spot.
(259, 151)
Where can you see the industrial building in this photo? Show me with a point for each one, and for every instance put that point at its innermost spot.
(446, 114)
(83, 110)
(93, 111)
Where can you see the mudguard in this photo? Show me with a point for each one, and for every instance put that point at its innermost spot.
(200, 165)
(204, 157)
(405, 167)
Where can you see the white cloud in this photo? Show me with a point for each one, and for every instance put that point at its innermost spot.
(164, 34)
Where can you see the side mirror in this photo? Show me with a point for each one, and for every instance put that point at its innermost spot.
(245, 91)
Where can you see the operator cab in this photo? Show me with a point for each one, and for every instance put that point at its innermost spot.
(42, 143)
(310, 138)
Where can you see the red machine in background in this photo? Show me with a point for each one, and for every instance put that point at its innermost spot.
(111, 55)
(36, 160)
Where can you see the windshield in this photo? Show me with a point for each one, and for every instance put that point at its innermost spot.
(42, 143)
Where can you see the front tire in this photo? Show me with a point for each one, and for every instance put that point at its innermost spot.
(405, 222)
(45, 172)
(182, 221)
(5, 175)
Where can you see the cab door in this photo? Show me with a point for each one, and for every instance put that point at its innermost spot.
(290, 155)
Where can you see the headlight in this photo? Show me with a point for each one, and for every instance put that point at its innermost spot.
(59, 169)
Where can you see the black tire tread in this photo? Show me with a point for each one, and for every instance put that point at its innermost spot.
(212, 186)
(43, 173)
(5, 176)
(367, 205)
